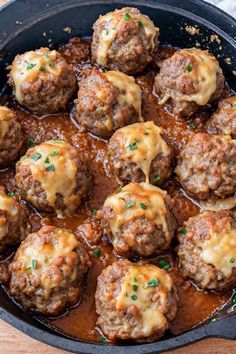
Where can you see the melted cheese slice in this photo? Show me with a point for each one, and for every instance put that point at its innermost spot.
(149, 144)
(140, 194)
(220, 250)
(10, 206)
(27, 67)
(37, 258)
(150, 309)
(61, 180)
(6, 115)
(112, 22)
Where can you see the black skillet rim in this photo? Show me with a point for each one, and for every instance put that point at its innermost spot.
(226, 26)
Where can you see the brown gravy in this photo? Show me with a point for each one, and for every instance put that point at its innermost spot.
(79, 322)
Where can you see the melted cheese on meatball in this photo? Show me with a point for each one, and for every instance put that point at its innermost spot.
(29, 66)
(146, 287)
(142, 142)
(137, 200)
(38, 258)
(5, 116)
(10, 206)
(220, 250)
(51, 165)
(111, 25)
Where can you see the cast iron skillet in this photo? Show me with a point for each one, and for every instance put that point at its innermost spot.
(22, 23)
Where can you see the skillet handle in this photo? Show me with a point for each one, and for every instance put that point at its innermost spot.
(224, 328)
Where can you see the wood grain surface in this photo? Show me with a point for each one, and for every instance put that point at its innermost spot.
(13, 341)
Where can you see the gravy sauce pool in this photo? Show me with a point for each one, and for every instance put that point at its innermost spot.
(79, 322)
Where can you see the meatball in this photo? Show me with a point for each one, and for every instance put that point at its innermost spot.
(138, 153)
(124, 40)
(11, 136)
(135, 301)
(42, 81)
(108, 101)
(223, 121)
(138, 219)
(13, 222)
(53, 178)
(47, 271)
(207, 250)
(189, 79)
(207, 166)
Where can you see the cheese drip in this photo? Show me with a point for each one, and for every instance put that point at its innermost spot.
(220, 250)
(112, 22)
(150, 309)
(10, 206)
(59, 180)
(140, 194)
(38, 257)
(149, 144)
(28, 67)
(6, 115)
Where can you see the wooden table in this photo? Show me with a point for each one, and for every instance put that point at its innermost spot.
(13, 341)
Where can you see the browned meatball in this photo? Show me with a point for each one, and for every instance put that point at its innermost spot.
(223, 121)
(138, 219)
(11, 136)
(135, 301)
(48, 270)
(53, 178)
(189, 79)
(207, 166)
(13, 222)
(207, 250)
(42, 81)
(108, 101)
(138, 153)
(124, 40)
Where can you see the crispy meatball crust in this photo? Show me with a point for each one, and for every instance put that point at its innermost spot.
(193, 238)
(127, 317)
(14, 226)
(53, 178)
(11, 136)
(138, 219)
(181, 81)
(100, 108)
(42, 81)
(138, 153)
(207, 166)
(124, 40)
(223, 121)
(47, 271)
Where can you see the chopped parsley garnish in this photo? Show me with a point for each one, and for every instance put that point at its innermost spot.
(28, 268)
(213, 320)
(34, 263)
(50, 168)
(47, 160)
(189, 68)
(134, 297)
(135, 279)
(152, 283)
(46, 56)
(183, 232)
(234, 300)
(143, 206)
(118, 190)
(36, 156)
(29, 65)
(155, 179)
(140, 23)
(135, 287)
(54, 153)
(42, 68)
(126, 17)
(31, 142)
(192, 126)
(11, 193)
(130, 204)
(103, 339)
(165, 265)
(107, 32)
(58, 141)
(231, 260)
(133, 146)
(97, 252)
(94, 212)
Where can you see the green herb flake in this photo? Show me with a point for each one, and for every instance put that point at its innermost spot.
(189, 68)
(213, 320)
(140, 23)
(152, 283)
(231, 260)
(45, 259)
(54, 153)
(234, 300)
(42, 68)
(28, 268)
(50, 168)
(135, 279)
(134, 297)
(155, 179)
(34, 263)
(133, 146)
(47, 56)
(47, 160)
(94, 212)
(97, 252)
(165, 265)
(11, 193)
(183, 232)
(143, 206)
(31, 142)
(36, 156)
(29, 65)
(126, 17)
(58, 141)
(107, 32)
(135, 287)
(103, 339)
(118, 190)
(130, 204)
(192, 126)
